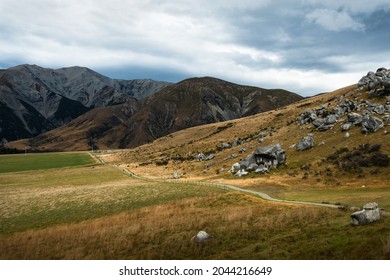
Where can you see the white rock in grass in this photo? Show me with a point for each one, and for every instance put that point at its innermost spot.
(201, 237)
(369, 214)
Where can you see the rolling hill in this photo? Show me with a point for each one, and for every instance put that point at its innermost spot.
(347, 154)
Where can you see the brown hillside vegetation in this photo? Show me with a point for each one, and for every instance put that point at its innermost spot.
(309, 170)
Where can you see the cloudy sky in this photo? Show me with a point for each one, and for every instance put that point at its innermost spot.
(306, 46)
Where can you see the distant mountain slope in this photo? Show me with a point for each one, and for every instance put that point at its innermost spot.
(39, 99)
(189, 103)
(198, 101)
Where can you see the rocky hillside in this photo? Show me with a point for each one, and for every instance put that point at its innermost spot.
(35, 99)
(199, 101)
(190, 103)
(328, 140)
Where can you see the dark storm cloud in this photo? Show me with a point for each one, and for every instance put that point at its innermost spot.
(307, 46)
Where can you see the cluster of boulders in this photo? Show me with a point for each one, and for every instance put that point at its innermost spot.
(321, 118)
(368, 118)
(369, 214)
(227, 145)
(378, 82)
(237, 142)
(260, 161)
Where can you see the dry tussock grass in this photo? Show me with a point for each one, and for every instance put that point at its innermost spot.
(386, 245)
(163, 232)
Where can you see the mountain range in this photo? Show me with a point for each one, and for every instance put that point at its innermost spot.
(77, 108)
(35, 99)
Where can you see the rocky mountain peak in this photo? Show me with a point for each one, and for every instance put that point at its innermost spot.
(38, 99)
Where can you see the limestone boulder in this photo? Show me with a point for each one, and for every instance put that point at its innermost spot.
(270, 156)
(252, 167)
(346, 126)
(241, 173)
(331, 119)
(235, 167)
(210, 157)
(260, 161)
(371, 124)
(261, 169)
(201, 237)
(224, 145)
(369, 214)
(378, 82)
(355, 118)
(305, 143)
(246, 162)
(307, 117)
(200, 157)
(319, 122)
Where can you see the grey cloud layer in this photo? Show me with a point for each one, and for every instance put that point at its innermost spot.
(306, 46)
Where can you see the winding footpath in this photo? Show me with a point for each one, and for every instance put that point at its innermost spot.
(224, 186)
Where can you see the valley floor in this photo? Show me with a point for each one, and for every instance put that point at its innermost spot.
(97, 212)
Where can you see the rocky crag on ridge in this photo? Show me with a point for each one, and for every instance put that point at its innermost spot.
(355, 112)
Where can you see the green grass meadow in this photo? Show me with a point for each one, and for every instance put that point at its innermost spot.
(26, 162)
(31, 200)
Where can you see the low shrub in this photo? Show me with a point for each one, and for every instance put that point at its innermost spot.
(363, 156)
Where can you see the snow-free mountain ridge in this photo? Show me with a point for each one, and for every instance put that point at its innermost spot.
(189, 103)
(35, 99)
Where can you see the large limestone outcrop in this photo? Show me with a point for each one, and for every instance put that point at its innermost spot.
(357, 112)
(260, 161)
(369, 214)
(378, 81)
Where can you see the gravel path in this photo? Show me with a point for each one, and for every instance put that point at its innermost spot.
(224, 186)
